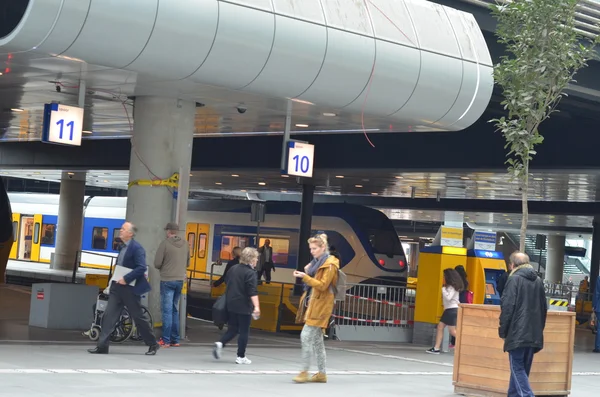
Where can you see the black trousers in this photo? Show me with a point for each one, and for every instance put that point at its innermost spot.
(238, 324)
(266, 270)
(122, 296)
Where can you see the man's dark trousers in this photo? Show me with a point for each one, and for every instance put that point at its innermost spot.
(521, 360)
(123, 296)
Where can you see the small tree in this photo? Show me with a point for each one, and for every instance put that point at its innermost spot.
(544, 53)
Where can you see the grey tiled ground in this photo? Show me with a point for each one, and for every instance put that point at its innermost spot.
(275, 360)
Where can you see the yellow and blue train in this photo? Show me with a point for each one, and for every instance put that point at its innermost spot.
(364, 237)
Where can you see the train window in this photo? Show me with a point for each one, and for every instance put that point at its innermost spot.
(48, 234)
(99, 237)
(281, 248)
(202, 246)
(116, 240)
(15, 229)
(36, 233)
(230, 242)
(191, 242)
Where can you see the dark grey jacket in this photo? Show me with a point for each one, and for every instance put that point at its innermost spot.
(524, 309)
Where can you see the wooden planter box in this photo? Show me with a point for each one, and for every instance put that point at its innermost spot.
(481, 367)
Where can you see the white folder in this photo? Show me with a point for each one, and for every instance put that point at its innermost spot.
(119, 273)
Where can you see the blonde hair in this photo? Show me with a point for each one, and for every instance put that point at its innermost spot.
(320, 240)
(248, 255)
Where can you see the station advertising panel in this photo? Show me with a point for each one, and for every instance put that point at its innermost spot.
(63, 124)
(300, 159)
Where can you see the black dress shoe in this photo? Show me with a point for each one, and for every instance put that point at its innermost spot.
(98, 350)
(596, 351)
(152, 350)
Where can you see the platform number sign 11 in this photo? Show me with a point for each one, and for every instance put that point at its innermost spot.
(62, 124)
(300, 159)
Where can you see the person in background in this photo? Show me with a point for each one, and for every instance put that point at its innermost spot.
(596, 307)
(236, 252)
(242, 304)
(316, 306)
(6, 231)
(501, 282)
(462, 296)
(522, 322)
(334, 252)
(266, 264)
(453, 285)
(584, 288)
(122, 294)
(172, 260)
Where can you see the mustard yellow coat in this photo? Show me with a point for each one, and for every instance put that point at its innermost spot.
(322, 300)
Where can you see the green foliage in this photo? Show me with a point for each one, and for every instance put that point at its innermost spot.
(543, 54)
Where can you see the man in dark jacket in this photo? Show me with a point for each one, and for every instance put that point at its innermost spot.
(6, 231)
(522, 322)
(236, 259)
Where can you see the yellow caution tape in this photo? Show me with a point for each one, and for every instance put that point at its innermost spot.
(559, 302)
(173, 182)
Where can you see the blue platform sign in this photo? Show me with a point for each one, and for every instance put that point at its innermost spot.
(63, 124)
(485, 241)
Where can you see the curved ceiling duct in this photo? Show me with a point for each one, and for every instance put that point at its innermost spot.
(420, 64)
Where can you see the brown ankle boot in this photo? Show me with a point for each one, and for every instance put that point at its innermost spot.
(319, 377)
(302, 377)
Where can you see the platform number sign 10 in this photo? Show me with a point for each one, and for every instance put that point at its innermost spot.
(62, 124)
(300, 159)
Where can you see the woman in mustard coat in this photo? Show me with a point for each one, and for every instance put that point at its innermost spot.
(316, 306)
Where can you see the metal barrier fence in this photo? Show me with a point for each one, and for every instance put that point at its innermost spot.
(376, 305)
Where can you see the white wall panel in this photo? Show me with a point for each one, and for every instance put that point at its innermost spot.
(437, 89)
(67, 27)
(345, 72)
(178, 46)
(293, 64)
(310, 10)
(394, 79)
(348, 15)
(464, 41)
(265, 5)
(115, 32)
(472, 109)
(392, 22)
(433, 27)
(35, 25)
(476, 35)
(241, 48)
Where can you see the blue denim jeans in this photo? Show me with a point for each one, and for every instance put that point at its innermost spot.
(170, 292)
(521, 360)
(597, 346)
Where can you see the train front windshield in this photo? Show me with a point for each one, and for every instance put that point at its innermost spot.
(380, 232)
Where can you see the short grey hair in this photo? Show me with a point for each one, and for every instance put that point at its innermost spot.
(248, 255)
(518, 258)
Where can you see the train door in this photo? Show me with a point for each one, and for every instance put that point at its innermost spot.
(202, 251)
(36, 240)
(16, 230)
(197, 237)
(191, 233)
(25, 238)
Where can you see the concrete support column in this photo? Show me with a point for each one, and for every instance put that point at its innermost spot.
(555, 262)
(161, 145)
(69, 227)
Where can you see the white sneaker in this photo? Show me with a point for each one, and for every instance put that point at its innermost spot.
(217, 350)
(242, 360)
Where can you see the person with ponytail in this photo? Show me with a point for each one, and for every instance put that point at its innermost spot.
(316, 306)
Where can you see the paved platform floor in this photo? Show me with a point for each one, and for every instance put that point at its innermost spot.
(37, 362)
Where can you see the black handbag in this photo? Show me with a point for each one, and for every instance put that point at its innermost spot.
(219, 311)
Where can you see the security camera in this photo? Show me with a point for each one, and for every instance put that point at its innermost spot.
(70, 176)
(241, 109)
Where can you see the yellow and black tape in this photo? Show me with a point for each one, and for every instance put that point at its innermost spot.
(559, 302)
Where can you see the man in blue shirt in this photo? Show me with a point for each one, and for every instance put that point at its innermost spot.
(127, 292)
(596, 306)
